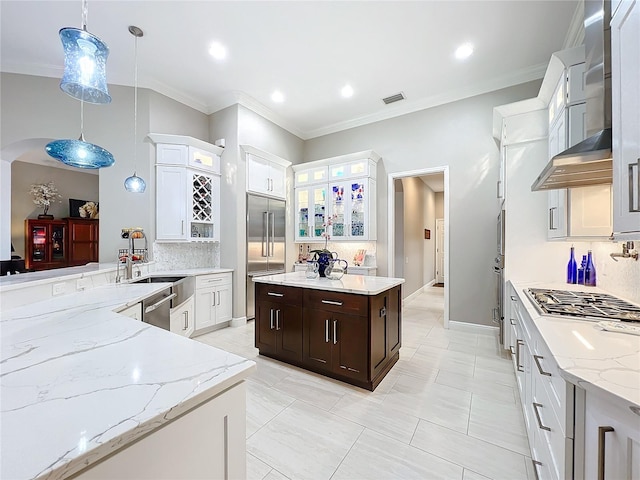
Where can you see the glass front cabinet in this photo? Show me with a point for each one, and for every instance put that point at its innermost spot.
(352, 209)
(310, 212)
(45, 244)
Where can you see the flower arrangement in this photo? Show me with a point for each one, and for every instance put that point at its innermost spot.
(44, 194)
(325, 234)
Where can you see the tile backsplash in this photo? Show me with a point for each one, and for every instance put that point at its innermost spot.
(171, 256)
(621, 277)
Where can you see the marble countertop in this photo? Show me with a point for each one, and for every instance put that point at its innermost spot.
(79, 381)
(597, 360)
(358, 284)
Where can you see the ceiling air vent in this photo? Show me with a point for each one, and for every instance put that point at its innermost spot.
(393, 98)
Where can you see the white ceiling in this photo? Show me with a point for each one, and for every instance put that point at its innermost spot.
(306, 49)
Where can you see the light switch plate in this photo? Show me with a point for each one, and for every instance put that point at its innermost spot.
(82, 283)
(58, 289)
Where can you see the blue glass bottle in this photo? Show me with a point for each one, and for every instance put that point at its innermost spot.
(583, 265)
(590, 271)
(572, 268)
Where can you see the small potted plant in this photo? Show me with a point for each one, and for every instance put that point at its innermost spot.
(44, 194)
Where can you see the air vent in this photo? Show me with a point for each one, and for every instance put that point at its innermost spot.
(393, 98)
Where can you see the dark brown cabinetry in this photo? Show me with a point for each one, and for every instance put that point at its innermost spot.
(60, 243)
(350, 337)
(83, 241)
(45, 244)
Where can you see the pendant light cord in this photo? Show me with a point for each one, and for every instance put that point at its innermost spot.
(85, 14)
(135, 106)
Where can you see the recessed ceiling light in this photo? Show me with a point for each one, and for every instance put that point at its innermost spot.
(464, 51)
(218, 51)
(277, 97)
(347, 91)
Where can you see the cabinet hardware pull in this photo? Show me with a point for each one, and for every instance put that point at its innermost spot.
(335, 332)
(271, 318)
(219, 295)
(519, 367)
(512, 321)
(498, 188)
(535, 410)
(278, 319)
(602, 431)
(632, 207)
(537, 359)
(383, 312)
(326, 331)
(536, 464)
(552, 223)
(331, 302)
(151, 308)
(513, 299)
(513, 350)
(273, 294)
(186, 320)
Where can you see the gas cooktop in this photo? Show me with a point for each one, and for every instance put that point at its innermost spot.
(584, 305)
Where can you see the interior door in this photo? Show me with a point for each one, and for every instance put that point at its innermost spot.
(439, 250)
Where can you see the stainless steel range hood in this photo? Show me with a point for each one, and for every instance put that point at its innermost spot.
(590, 161)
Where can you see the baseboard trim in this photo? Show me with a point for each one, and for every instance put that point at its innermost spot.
(238, 322)
(418, 292)
(430, 284)
(472, 327)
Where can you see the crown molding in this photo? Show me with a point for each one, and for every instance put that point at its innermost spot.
(515, 78)
(575, 34)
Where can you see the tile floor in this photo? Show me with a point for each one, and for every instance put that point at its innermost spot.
(449, 409)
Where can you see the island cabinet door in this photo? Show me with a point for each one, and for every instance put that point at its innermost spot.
(349, 355)
(288, 322)
(265, 328)
(317, 338)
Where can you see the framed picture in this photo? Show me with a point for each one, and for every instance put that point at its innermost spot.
(83, 209)
(427, 234)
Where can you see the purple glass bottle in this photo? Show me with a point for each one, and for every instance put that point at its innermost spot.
(590, 271)
(572, 268)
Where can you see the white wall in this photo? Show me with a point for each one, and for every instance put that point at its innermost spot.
(459, 135)
(439, 206)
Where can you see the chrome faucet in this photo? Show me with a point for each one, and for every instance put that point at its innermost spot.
(627, 252)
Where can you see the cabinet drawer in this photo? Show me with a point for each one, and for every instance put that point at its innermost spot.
(546, 371)
(550, 432)
(213, 279)
(278, 293)
(337, 302)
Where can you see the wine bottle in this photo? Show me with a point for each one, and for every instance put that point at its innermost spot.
(583, 265)
(590, 271)
(572, 268)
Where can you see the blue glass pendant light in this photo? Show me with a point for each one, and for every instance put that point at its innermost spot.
(135, 184)
(85, 61)
(78, 153)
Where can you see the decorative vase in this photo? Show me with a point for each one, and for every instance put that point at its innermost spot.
(323, 262)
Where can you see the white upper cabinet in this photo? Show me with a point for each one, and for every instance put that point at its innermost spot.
(187, 189)
(583, 212)
(342, 189)
(266, 173)
(625, 72)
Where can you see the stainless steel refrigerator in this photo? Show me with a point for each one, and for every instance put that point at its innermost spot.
(265, 242)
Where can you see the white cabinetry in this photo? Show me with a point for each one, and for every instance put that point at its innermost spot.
(625, 72)
(182, 318)
(213, 300)
(206, 442)
(134, 311)
(547, 399)
(614, 429)
(342, 187)
(266, 173)
(574, 212)
(187, 189)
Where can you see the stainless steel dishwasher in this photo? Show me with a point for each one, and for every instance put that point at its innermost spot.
(156, 308)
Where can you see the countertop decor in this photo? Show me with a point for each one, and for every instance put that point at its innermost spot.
(358, 284)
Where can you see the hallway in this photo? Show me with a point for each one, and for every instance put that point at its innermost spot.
(448, 409)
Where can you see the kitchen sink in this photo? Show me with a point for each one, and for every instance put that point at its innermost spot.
(159, 280)
(183, 287)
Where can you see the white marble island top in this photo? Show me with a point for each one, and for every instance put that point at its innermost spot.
(358, 284)
(601, 361)
(78, 381)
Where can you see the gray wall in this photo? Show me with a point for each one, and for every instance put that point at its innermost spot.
(439, 206)
(458, 134)
(241, 126)
(70, 184)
